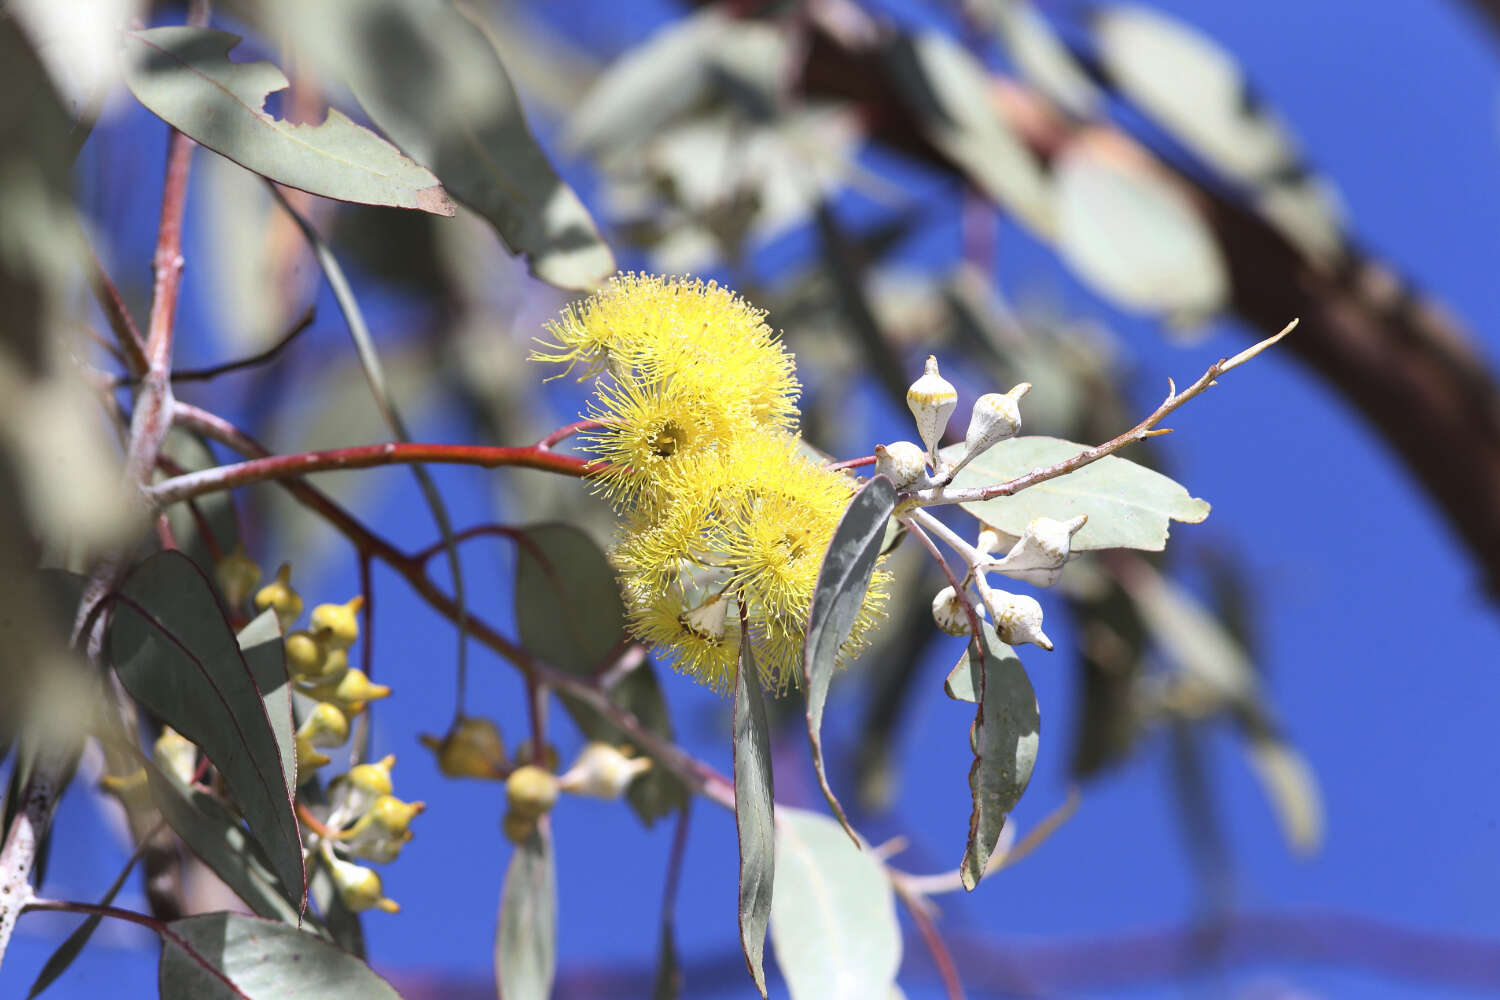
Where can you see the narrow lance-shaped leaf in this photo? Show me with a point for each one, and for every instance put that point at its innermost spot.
(1129, 506)
(229, 955)
(433, 82)
(260, 642)
(185, 77)
(526, 937)
(843, 581)
(754, 817)
(1004, 739)
(176, 654)
(833, 921)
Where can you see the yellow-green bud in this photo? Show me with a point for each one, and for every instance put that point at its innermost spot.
(341, 621)
(279, 594)
(473, 748)
(358, 790)
(325, 726)
(359, 887)
(304, 654)
(237, 574)
(309, 758)
(531, 791)
(176, 754)
(383, 831)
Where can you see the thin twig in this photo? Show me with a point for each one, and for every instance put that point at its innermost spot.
(269, 354)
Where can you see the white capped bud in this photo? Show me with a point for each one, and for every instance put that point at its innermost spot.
(707, 620)
(1038, 557)
(996, 417)
(603, 772)
(932, 400)
(993, 540)
(903, 463)
(1018, 619)
(948, 611)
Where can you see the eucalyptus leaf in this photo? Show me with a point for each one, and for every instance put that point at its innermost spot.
(526, 937)
(1004, 738)
(568, 606)
(431, 79)
(843, 581)
(1292, 789)
(233, 956)
(185, 77)
(1129, 506)
(174, 651)
(265, 654)
(833, 916)
(1131, 233)
(754, 795)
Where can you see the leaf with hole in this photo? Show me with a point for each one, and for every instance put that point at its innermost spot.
(843, 581)
(245, 958)
(526, 936)
(185, 77)
(174, 651)
(833, 917)
(1004, 738)
(754, 795)
(1129, 506)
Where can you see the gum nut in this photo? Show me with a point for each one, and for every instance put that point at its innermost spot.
(948, 611)
(531, 791)
(1018, 619)
(902, 462)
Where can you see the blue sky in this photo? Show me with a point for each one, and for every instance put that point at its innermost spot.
(1379, 648)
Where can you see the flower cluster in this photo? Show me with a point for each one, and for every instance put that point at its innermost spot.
(361, 820)
(726, 519)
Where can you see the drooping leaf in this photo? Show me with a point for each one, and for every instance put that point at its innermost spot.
(431, 80)
(843, 581)
(526, 937)
(568, 606)
(185, 77)
(1190, 637)
(949, 93)
(261, 644)
(1129, 506)
(754, 795)
(1128, 230)
(247, 958)
(1292, 788)
(175, 653)
(833, 917)
(1004, 738)
(212, 833)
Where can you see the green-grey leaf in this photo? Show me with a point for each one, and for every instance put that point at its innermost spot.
(212, 833)
(1129, 506)
(526, 938)
(175, 653)
(568, 606)
(833, 919)
(185, 77)
(1132, 235)
(959, 684)
(432, 81)
(1004, 738)
(843, 581)
(259, 960)
(754, 794)
(261, 644)
(948, 91)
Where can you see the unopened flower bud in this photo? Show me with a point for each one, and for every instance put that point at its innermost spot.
(948, 611)
(350, 691)
(236, 574)
(531, 791)
(992, 540)
(359, 887)
(1038, 557)
(279, 594)
(995, 418)
(932, 400)
(340, 620)
(1018, 619)
(309, 758)
(304, 654)
(473, 748)
(325, 726)
(903, 463)
(603, 772)
(176, 754)
(383, 831)
(354, 793)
